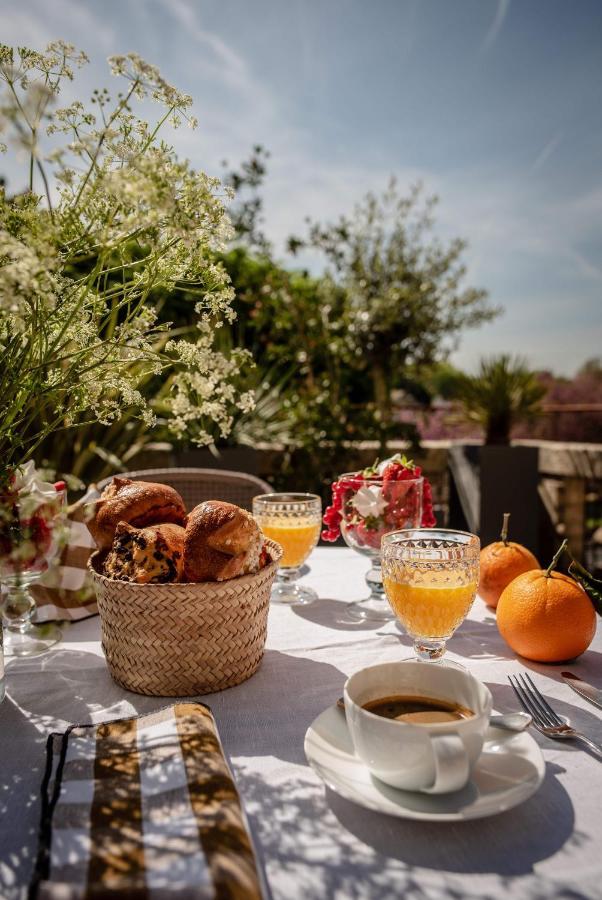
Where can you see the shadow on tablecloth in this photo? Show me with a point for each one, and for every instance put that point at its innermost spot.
(587, 666)
(317, 845)
(473, 640)
(21, 762)
(71, 686)
(45, 694)
(509, 844)
(479, 639)
(333, 614)
(585, 720)
(269, 714)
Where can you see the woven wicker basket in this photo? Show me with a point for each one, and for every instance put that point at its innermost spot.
(176, 640)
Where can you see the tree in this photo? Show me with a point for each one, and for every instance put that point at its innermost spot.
(404, 305)
(503, 393)
(246, 212)
(293, 325)
(592, 367)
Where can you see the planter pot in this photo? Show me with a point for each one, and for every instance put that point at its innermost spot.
(509, 483)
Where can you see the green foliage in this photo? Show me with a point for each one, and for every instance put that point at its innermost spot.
(319, 399)
(592, 366)
(389, 304)
(592, 586)
(136, 247)
(246, 213)
(398, 288)
(295, 325)
(503, 393)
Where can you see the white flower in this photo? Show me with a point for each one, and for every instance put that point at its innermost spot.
(33, 492)
(126, 221)
(369, 501)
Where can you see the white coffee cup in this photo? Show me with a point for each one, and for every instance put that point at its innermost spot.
(435, 758)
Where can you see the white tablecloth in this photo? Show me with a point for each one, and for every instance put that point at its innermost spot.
(315, 844)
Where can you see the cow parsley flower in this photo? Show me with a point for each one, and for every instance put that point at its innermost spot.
(112, 219)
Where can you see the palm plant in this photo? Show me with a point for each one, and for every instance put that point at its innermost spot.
(503, 393)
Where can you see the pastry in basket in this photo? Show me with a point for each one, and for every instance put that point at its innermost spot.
(153, 555)
(138, 503)
(222, 541)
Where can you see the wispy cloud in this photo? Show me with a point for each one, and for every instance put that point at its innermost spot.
(37, 22)
(546, 151)
(496, 26)
(221, 60)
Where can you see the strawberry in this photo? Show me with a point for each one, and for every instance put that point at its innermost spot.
(368, 537)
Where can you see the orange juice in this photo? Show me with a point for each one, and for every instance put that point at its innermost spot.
(432, 609)
(297, 539)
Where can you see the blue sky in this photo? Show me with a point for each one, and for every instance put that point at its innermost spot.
(495, 104)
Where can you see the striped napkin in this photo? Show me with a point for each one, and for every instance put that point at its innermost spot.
(144, 807)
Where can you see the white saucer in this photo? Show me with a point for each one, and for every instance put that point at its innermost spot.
(509, 771)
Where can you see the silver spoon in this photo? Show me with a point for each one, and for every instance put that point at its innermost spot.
(516, 721)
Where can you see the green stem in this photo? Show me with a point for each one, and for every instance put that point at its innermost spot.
(156, 130)
(120, 106)
(557, 556)
(46, 188)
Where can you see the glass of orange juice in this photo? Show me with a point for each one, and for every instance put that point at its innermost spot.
(294, 522)
(430, 576)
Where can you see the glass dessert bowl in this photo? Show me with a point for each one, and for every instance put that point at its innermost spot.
(366, 505)
(31, 530)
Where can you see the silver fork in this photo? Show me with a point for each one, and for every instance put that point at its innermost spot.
(544, 718)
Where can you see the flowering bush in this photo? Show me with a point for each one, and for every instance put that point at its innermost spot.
(121, 218)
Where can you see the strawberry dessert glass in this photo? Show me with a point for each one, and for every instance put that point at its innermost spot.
(369, 504)
(31, 529)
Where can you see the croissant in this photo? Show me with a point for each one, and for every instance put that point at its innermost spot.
(222, 541)
(138, 503)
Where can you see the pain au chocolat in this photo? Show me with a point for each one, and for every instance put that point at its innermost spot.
(222, 541)
(138, 503)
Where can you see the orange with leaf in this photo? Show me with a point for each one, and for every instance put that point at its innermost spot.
(501, 562)
(549, 617)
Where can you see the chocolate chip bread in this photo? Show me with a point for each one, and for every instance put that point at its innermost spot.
(153, 555)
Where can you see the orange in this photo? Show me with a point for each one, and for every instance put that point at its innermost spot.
(546, 616)
(501, 563)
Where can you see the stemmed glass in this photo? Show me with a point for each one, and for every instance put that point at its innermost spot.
(430, 578)
(32, 527)
(293, 521)
(21, 636)
(368, 511)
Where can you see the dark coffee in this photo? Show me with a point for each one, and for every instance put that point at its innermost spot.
(419, 710)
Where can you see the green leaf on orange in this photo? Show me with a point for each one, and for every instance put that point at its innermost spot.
(592, 586)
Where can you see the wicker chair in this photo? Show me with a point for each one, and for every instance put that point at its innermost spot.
(196, 485)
